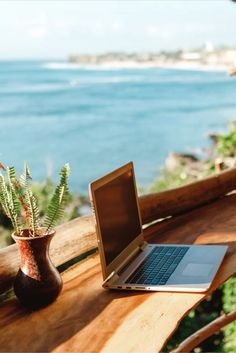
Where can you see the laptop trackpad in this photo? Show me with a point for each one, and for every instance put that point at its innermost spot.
(193, 269)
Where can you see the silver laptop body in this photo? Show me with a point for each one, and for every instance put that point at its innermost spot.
(127, 260)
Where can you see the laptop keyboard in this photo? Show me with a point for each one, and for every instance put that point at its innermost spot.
(158, 266)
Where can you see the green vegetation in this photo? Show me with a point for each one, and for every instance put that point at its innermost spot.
(21, 206)
(226, 143)
(229, 304)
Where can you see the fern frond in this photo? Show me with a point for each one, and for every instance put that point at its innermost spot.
(55, 209)
(12, 181)
(65, 172)
(14, 204)
(18, 187)
(27, 200)
(27, 173)
(11, 174)
(60, 197)
(8, 204)
(21, 194)
(4, 196)
(33, 212)
(25, 177)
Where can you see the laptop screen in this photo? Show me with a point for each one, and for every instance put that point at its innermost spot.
(118, 215)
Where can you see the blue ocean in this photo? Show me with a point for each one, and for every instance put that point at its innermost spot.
(97, 119)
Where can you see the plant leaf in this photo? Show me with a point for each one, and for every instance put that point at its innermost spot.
(60, 197)
(8, 204)
(33, 211)
(12, 189)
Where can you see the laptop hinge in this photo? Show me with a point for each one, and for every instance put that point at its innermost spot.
(114, 275)
(143, 245)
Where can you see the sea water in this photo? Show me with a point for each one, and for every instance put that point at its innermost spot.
(99, 118)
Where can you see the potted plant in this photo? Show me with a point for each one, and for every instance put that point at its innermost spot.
(37, 282)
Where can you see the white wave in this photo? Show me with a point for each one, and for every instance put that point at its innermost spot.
(72, 66)
(113, 66)
(213, 68)
(104, 80)
(99, 67)
(61, 66)
(34, 88)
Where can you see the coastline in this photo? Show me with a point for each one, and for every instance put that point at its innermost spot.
(205, 58)
(120, 65)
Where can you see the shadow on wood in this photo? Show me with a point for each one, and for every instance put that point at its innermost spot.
(80, 306)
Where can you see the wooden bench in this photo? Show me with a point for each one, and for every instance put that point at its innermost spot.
(87, 318)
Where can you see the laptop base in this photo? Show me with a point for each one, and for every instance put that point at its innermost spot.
(194, 273)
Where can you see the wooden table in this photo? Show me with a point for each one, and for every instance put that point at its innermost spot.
(87, 318)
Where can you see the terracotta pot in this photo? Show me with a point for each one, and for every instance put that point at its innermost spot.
(37, 282)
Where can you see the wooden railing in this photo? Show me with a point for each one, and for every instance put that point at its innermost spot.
(201, 335)
(176, 201)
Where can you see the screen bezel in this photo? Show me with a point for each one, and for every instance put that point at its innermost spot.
(95, 185)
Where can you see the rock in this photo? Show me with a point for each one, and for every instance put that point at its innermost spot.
(213, 137)
(174, 160)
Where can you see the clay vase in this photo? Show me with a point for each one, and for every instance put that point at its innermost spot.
(37, 282)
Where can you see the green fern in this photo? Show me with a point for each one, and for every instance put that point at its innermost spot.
(4, 196)
(12, 190)
(29, 202)
(26, 177)
(27, 173)
(33, 211)
(55, 209)
(8, 201)
(16, 192)
(22, 187)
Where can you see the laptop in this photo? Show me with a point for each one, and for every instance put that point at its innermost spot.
(127, 260)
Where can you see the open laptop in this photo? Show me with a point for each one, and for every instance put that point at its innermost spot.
(128, 261)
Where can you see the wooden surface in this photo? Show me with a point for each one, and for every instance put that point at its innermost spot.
(86, 318)
(78, 236)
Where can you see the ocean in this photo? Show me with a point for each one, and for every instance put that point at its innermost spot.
(97, 119)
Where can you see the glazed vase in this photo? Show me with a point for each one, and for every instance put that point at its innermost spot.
(37, 283)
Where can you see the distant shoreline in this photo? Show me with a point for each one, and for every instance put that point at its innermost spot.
(135, 65)
(205, 58)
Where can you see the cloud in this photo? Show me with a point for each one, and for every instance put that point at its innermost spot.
(153, 31)
(37, 26)
(38, 32)
(98, 28)
(117, 26)
(102, 27)
(163, 32)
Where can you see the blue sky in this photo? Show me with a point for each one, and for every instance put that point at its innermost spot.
(55, 29)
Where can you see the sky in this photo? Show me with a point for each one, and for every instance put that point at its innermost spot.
(55, 29)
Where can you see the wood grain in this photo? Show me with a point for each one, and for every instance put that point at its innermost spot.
(77, 237)
(86, 318)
